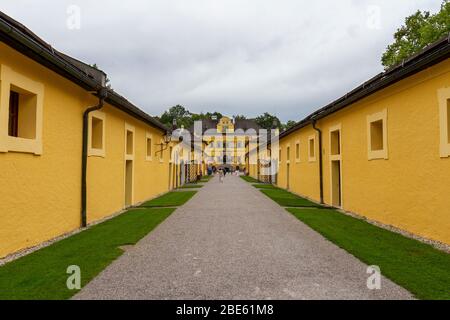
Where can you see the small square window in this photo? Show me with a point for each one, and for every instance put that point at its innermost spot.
(377, 135)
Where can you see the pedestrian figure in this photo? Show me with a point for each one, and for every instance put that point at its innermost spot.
(221, 175)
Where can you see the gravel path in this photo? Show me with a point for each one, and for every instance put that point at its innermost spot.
(232, 242)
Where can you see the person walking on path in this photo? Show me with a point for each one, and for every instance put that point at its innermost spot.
(221, 175)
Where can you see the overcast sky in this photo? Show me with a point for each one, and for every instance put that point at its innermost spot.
(286, 57)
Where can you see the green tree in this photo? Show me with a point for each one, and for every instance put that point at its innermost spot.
(239, 117)
(420, 30)
(178, 112)
(288, 125)
(267, 121)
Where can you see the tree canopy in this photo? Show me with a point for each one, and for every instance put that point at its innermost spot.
(186, 118)
(420, 30)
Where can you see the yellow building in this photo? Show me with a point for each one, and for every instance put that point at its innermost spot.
(44, 95)
(382, 150)
(226, 142)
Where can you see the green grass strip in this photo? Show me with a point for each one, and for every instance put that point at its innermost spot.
(42, 274)
(171, 199)
(266, 186)
(191, 186)
(249, 179)
(418, 267)
(287, 199)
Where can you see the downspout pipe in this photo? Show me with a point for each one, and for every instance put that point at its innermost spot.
(313, 121)
(102, 94)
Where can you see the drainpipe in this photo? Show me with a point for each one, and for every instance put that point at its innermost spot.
(102, 94)
(320, 160)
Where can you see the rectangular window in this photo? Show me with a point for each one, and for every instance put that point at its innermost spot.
(279, 156)
(13, 114)
(312, 148)
(96, 134)
(130, 147)
(22, 101)
(22, 114)
(297, 151)
(335, 143)
(288, 153)
(444, 118)
(148, 147)
(377, 135)
(448, 121)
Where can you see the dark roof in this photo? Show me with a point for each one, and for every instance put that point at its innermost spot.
(25, 41)
(246, 124)
(431, 55)
(208, 124)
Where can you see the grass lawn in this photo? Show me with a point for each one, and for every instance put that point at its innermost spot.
(287, 199)
(418, 267)
(191, 186)
(42, 274)
(171, 199)
(249, 179)
(265, 186)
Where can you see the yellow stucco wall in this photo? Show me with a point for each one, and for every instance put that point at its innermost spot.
(40, 194)
(409, 190)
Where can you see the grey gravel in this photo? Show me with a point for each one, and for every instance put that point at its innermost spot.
(232, 242)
